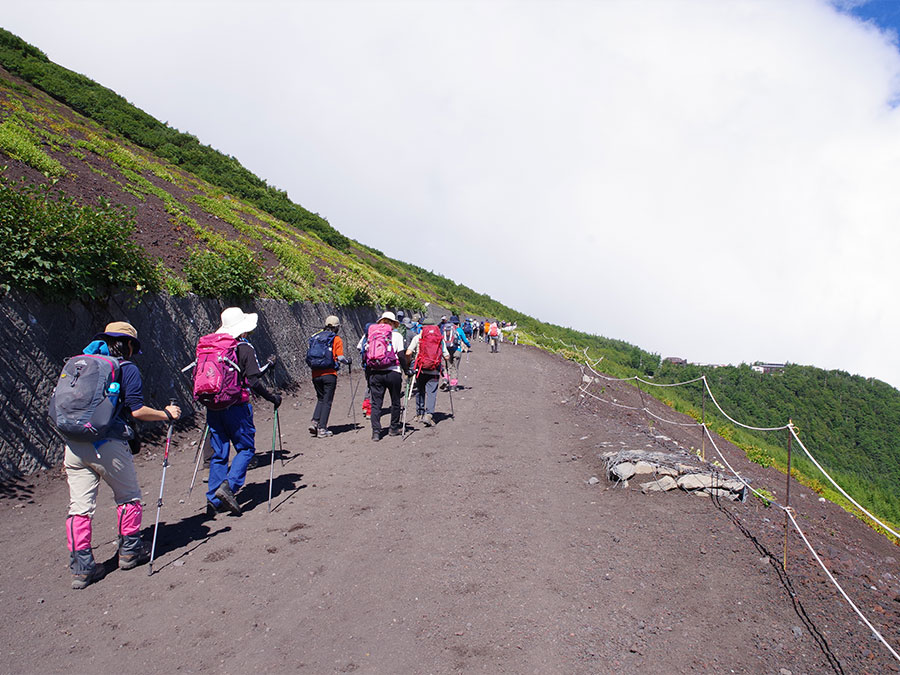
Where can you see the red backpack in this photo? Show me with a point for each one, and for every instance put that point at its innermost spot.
(380, 353)
(217, 378)
(430, 352)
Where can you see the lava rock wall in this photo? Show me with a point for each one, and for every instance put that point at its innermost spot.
(37, 337)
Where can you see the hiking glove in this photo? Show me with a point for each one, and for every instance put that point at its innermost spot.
(345, 359)
(275, 400)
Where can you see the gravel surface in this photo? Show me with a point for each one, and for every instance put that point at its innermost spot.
(478, 545)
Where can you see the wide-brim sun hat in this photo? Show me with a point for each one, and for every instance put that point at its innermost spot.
(235, 322)
(388, 316)
(427, 321)
(121, 329)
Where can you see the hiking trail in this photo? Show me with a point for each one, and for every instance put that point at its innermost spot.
(474, 545)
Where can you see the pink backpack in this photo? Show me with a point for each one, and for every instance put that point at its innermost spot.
(217, 378)
(380, 353)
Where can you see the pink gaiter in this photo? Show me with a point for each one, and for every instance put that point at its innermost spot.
(78, 532)
(130, 518)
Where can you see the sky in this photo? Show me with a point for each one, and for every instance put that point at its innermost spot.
(710, 179)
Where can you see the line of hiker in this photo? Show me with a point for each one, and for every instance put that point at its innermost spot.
(100, 393)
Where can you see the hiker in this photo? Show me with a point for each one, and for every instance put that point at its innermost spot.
(403, 324)
(454, 339)
(234, 423)
(493, 336)
(361, 348)
(429, 351)
(386, 361)
(109, 458)
(324, 357)
(467, 328)
(416, 326)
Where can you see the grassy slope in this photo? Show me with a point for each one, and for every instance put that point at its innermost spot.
(214, 206)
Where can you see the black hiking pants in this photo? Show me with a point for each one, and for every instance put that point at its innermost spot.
(325, 386)
(381, 381)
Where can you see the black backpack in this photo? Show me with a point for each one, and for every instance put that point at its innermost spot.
(87, 397)
(320, 353)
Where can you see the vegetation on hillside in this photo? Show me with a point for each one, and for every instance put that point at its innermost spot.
(57, 248)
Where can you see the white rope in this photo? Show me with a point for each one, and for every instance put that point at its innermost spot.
(740, 424)
(838, 586)
(618, 405)
(584, 390)
(678, 424)
(763, 497)
(840, 489)
(611, 379)
(674, 384)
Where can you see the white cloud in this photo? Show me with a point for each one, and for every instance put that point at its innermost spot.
(712, 180)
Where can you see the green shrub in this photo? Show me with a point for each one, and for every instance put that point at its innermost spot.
(59, 249)
(17, 142)
(759, 455)
(234, 273)
(173, 285)
(285, 290)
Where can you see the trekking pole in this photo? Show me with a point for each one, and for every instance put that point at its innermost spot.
(280, 444)
(450, 391)
(272, 462)
(406, 403)
(162, 485)
(199, 455)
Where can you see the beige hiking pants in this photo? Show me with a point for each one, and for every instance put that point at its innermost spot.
(84, 471)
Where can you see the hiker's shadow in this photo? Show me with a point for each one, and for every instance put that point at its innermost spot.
(343, 428)
(441, 417)
(187, 533)
(284, 486)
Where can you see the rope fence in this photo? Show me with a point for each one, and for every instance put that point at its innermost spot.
(786, 508)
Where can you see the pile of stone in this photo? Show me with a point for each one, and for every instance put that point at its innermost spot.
(670, 471)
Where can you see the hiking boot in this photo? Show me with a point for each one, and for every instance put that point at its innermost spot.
(129, 561)
(395, 432)
(324, 433)
(85, 579)
(254, 462)
(428, 420)
(376, 436)
(226, 496)
(313, 429)
(211, 509)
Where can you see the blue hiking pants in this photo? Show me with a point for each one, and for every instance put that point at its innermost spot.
(232, 425)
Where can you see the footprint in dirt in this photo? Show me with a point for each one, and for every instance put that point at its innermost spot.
(218, 556)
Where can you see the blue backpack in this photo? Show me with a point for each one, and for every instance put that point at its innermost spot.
(320, 355)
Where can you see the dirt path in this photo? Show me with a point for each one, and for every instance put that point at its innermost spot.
(477, 545)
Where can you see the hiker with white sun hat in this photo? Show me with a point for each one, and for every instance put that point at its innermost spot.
(234, 424)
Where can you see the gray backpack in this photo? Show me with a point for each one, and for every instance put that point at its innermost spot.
(87, 398)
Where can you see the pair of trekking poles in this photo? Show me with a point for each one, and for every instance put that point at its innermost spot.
(406, 398)
(276, 433)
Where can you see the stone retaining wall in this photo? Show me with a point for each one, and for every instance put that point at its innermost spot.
(37, 338)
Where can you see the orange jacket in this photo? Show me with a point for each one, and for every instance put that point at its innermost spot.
(337, 349)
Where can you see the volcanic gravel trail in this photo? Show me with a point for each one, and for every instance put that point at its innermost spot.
(475, 545)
